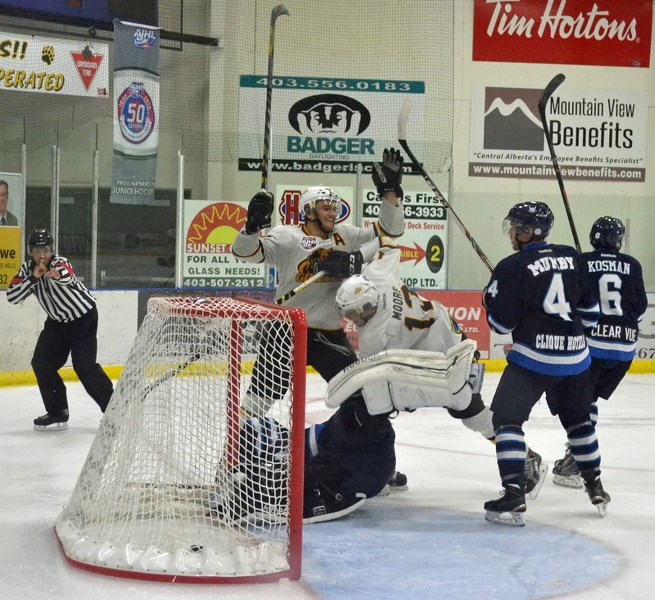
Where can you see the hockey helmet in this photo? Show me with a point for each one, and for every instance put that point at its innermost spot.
(607, 232)
(40, 238)
(357, 299)
(317, 193)
(530, 217)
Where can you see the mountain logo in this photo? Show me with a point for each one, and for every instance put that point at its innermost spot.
(511, 119)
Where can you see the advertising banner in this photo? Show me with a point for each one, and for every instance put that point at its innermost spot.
(611, 33)
(136, 113)
(47, 65)
(9, 254)
(598, 134)
(289, 211)
(423, 246)
(325, 125)
(210, 228)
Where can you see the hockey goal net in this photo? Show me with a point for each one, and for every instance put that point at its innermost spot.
(181, 483)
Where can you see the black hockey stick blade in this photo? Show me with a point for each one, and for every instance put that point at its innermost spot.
(278, 11)
(403, 118)
(549, 90)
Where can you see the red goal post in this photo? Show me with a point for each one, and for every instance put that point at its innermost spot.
(179, 484)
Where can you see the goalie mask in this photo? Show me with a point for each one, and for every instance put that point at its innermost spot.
(357, 300)
(315, 194)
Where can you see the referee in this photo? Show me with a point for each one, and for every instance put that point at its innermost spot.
(70, 328)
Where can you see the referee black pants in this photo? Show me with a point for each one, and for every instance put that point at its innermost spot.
(56, 342)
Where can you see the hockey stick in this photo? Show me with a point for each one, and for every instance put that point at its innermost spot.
(277, 11)
(555, 82)
(405, 110)
(303, 286)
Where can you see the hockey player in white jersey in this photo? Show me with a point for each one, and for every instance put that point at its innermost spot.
(319, 244)
(396, 325)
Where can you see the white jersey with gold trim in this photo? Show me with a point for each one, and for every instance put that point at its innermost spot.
(289, 248)
(404, 320)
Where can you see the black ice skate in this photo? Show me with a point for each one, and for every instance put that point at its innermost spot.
(50, 422)
(535, 474)
(594, 488)
(398, 483)
(319, 505)
(566, 472)
(508, 509)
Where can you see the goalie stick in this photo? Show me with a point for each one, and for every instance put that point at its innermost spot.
(405, 110)
(277, 11)
(549, 90)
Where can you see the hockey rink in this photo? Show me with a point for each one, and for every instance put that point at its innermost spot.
(429, 542)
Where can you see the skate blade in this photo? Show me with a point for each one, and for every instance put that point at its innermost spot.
(398, 488)
(571, 481)
(53, 427)
(602, 509)
(509, 518)
(385, 491)
(543, 471)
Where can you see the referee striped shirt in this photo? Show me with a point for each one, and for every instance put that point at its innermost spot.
(64, 299)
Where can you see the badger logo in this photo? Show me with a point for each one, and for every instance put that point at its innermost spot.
(329, 114)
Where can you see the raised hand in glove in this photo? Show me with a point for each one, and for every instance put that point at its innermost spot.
(388, 175)
(260, 210)
(337, 264)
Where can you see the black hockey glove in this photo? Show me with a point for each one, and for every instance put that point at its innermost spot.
(260, 210)
(388, 175)
(337, 264)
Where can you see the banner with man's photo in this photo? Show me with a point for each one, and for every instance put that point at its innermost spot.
(11, 218)
(136, 113)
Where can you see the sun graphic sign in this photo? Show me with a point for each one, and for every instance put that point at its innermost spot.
(210, 231)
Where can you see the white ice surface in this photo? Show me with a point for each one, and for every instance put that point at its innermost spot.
(430, 542)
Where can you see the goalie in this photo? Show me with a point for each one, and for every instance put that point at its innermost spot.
(412, 355)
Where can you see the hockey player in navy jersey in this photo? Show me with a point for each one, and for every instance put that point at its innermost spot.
(402, 337)
(613, 341)
(538, 295)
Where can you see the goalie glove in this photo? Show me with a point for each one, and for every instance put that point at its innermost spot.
(337, 264)
(388, 175)
(260, 210)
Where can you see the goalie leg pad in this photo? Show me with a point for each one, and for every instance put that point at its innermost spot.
(482, 423)
(407, 379)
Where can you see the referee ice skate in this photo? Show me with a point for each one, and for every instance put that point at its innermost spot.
(70, 328)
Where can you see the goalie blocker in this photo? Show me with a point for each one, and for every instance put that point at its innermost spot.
(404, 380)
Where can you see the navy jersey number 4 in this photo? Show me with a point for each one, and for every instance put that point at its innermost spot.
(539, 297)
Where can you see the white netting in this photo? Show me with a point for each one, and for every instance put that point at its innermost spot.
(179, 481)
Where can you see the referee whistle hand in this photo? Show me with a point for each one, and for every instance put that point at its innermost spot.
(39, 270)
